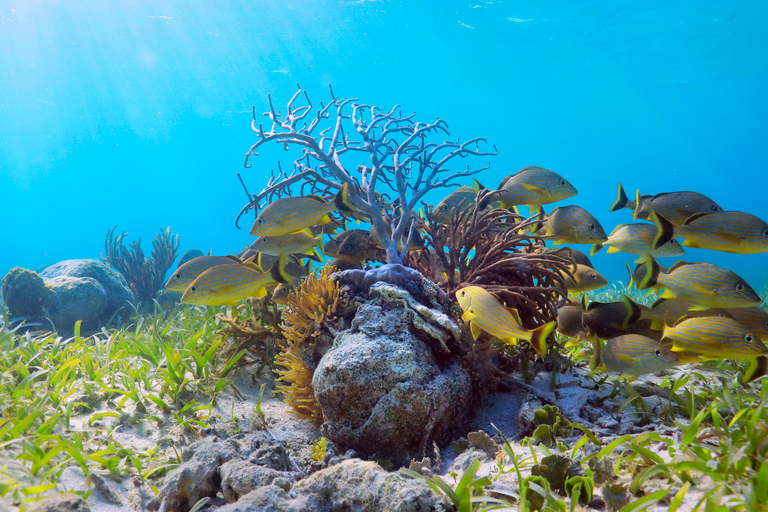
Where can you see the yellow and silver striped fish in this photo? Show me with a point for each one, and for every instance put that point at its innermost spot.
(226, 285)
(484, 312)
(639, 239)
(584, 279)
(736, 232)
(676, 207)
(669, 311)
(707, 285)
(633, 355)
(532, 186)
(292, 243)
(293, 214)
(755, 319)
(715, 337)
(571, 225)
(189, 271)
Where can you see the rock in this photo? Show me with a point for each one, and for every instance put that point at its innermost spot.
(483, 441)
(239, 477)
(77, 298)
(198, 475)
(352, 485)
(5, 506)
(101, 485)
(60, 503)
(189, 255)
(388, 387)
(119, 295)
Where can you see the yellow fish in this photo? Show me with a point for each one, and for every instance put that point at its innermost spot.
(676, 207)
(187, 272)
(633, 355)
(485, 313)
(572, 225)
(532, 186)
(715, 337)
(736, 232)
(294, 214)
(584, 279)
(707, 285)
(641, 239)
(755, 319)
(226, 285)
(292, 243)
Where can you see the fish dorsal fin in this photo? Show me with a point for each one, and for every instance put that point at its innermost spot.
(658, 302)
(478, 186)
(681, 319)
(677, 265)
(515, 315)
(252, 259)
(234, 258)
(583, 301)
(316, 197)
(594, 304)
(250, 265)
(620, 226)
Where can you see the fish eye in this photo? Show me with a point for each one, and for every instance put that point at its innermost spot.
(445, 207)
(657, 352)
(715, 208)
(260, 221)
(739, 287)
(194, 288)
(563, 182)
(178, 276)
(592, 227)
(765, 232)
(748, 338)
(673, 241)
(594, 276)
(463, 293)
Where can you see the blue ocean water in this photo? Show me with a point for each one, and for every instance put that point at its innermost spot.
(138, 113)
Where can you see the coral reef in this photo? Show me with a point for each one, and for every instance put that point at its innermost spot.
(396, 154)
(145, 276)
(25, 293)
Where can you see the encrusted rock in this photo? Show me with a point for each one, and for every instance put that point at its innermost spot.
(352, 485)
(119, 294)
(239, 477)
(60, 503)
(388, 387)
(77, 298)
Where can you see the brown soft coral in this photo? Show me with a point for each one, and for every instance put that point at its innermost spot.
(313, 302)
(25, 293)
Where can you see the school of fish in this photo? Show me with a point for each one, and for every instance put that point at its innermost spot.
(704, 312)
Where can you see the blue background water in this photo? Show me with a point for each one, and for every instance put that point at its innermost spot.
(121, 112)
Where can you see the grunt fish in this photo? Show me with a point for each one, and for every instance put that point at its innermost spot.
(676, 207)
(639, 239)
(532, 186)
(484, 312)
(633, 355)
(736, 232)
(187, 272)
(571, 225)
(569, 252)
(462, 197)
(755, 319)
(714, 337)
(670, 311)
(569, 318)
(584, 279)
(293, 214)
(292, 243)
(280, 294)
(707, 285)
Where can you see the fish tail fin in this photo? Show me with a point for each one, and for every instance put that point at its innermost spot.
(536, 209)
(477, 185)
(278, 270)
(595, 249)
(637, 208)
(595, 360)
(622, 201)
(634, 312)
(583, 301)
(539, 337)
(538, 224)
(258, 262)
(631, 276)
(651, 277)
(755, 369)
(341, 201)
(665, 231)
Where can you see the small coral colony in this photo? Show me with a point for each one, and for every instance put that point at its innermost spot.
(477, 246)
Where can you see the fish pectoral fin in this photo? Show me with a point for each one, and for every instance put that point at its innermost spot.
(703, 290)
(698, 307)
(532, 188)
(475, 329)
(690, 242)
(468, 315)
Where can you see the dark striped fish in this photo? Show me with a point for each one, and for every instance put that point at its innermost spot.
(755, 319)
(569, 252)
(707, 285)
(715, 337)
(293, 214)
(461, 198)
(676, 207)
(569, 321)
(584, 279)
(571, 225)
(532, 186)
(737, 232)
(187, 272)
(669, 311)
(639, 239)
(226, 285)
(633, 355)
(484, 312)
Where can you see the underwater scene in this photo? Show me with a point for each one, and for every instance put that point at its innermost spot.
(383, 256)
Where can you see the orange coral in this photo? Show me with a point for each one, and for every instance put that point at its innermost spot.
(315, 300)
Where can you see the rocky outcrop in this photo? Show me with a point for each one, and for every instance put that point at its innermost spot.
(86, 290)
(60, 503)
(389, 387)
(351, 485)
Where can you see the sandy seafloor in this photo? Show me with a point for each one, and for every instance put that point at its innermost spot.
(574, 395)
